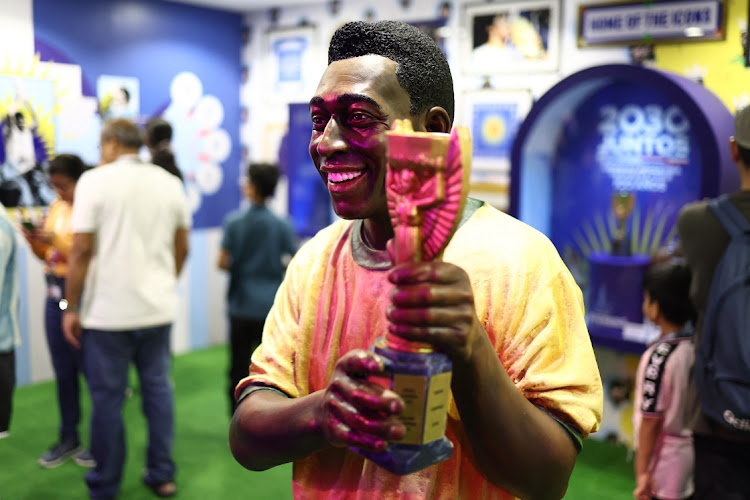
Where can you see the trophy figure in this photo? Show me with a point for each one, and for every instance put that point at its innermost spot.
(426, 185)
(622, 206)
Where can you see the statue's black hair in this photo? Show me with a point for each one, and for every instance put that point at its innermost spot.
(422, 69)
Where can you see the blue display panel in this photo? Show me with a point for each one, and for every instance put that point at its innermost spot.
(309, 202)
(626, 139)
(603, 164)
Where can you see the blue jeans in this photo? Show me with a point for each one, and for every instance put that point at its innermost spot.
(107, 356)
(67, 363)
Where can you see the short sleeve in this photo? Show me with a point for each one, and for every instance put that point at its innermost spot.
(86, 209)
(228, 234)
(654, 382)
(543, 342)
(184, 216)
(561, 373)
(533, 312)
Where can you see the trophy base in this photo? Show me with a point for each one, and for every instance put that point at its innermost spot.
(422, 379)
(404, 459)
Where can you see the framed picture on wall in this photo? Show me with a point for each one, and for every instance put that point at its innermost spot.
(118, 96)
(493, 118)
(512, 37)
(291, 68)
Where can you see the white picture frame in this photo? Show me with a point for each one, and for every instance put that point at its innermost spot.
(493, 118)
(512, 37)
(291, 73)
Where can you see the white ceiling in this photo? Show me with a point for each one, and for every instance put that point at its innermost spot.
(247, 5)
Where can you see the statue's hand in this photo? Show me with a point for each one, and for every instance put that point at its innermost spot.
(432, 302)
(356, 412)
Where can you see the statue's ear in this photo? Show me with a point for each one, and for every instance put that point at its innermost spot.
(437, 120)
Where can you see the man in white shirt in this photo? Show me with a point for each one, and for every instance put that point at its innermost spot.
(130, 223)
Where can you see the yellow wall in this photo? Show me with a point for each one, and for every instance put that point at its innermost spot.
(720, 63)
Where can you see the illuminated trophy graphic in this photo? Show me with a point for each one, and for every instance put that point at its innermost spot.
(622, 206)
(426, 185)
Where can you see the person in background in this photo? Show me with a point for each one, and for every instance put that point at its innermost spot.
(254, 246)
(10, 335)
(130, 241)
(663, 439)
(721, 455)
(501, 305)
(51, 242)
(158, 140)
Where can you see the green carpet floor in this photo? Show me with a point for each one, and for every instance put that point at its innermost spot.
(206, 469)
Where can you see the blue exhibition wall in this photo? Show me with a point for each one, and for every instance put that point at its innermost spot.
(309, 201)
(603, 164)
(177, 61)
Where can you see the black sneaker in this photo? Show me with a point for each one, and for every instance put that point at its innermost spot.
(59, 453)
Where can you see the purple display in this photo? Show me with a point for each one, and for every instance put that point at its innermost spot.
(603, 164)
(627, 139)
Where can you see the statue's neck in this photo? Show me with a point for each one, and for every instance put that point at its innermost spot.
(376, 232)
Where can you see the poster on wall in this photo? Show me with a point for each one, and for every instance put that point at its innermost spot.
(118, 96)
(493, 117)
(290, 73)
(27, 140)
(511, 37)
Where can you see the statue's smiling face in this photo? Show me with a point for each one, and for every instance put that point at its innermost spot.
(354, 106)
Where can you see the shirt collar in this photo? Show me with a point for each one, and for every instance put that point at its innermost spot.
(131, 157)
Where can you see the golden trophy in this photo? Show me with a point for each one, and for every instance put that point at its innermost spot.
(426, 187)
(622, 206)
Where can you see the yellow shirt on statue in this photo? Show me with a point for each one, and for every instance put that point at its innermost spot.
(334, 299)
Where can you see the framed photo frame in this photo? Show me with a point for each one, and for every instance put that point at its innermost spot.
(118, 96)
(493, 118)
(512, 37)
(292, 62)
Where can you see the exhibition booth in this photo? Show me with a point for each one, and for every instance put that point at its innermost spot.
(602, 164)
